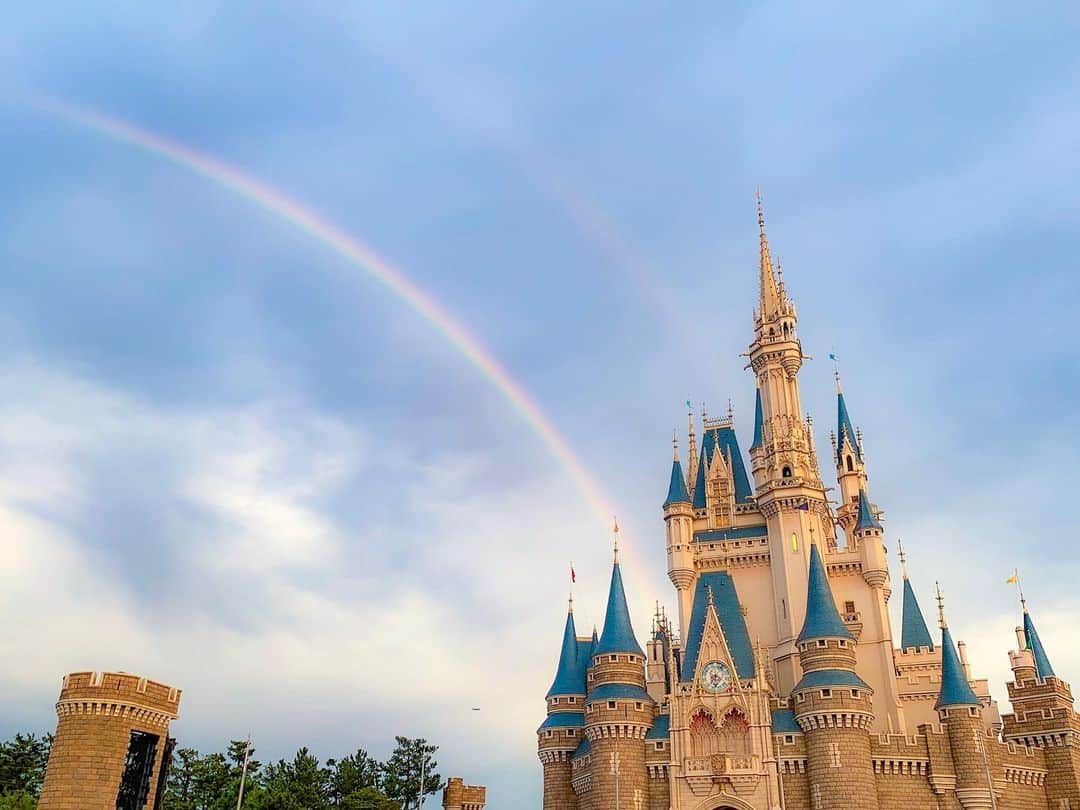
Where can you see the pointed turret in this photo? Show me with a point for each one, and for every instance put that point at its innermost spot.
(913, 632)
(822, 618)
(845, 431)
(618, 635)
(1034, 643)
(568, 675)
(759, 428)
(677, 488)
(866, 514)
(770, 296)
(955, 689)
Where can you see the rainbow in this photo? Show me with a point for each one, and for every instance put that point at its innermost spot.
(362, 257)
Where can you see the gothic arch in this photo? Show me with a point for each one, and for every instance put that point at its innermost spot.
(722, 802)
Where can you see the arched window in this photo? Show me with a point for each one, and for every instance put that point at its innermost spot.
(703, 737)
(735, 734)
(786, 472)
(850, 466)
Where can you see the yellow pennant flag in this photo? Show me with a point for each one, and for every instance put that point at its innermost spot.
(1012, 580)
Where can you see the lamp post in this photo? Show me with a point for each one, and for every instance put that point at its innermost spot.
(243, 773)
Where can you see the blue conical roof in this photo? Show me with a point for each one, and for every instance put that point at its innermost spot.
(618, 635)
(1042, 663)
(866, 514)
(758, 421)
(845, 433)
(822, 618)
(677, 488)
(568, 680)
(955, 689)
(913, 632)
(724, 440)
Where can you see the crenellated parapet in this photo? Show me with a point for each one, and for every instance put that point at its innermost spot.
(111, 737)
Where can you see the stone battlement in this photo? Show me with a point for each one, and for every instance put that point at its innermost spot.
(118, 694)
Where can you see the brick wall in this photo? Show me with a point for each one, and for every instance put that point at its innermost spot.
(96, 714)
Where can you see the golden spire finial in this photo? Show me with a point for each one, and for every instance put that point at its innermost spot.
(616, 531)
(730, 409)
(709, 596)
(903, 557)
(675, 444)
(770, 293)
(940, 606)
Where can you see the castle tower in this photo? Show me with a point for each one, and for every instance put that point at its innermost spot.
(790, 493)
(679, 519)
(112, 747)
(850, 468)
(459, 796)
(918, 661)
(618, 710)
(561, 732)
(832, 704)
(960, 711)
(1044, 715)
(913, 631)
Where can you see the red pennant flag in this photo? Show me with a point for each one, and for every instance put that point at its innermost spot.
(573, 576)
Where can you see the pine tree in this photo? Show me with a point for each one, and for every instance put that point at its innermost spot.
(402, 772)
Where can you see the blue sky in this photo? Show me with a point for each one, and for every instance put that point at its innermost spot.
(233, 463)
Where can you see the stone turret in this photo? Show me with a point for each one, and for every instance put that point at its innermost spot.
(618, 710)
(850, 469)
(111, 747)
(960, 711)
(833, 705)
(459, 796)
(1044, 715)
(679, 520)
(561, 732)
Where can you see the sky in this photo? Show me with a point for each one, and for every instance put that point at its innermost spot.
(234, 460)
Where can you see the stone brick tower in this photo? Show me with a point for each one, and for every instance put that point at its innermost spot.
(459, 796)
(112, 746)
(833, 706)
(1043, 715)
(562, 731)
(618, 710)
(960, 713)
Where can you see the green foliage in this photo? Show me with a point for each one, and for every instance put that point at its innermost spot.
(368, 798)
(197, 781)
(22, 766)
(212, 782)
(20, 800)
(412, 760)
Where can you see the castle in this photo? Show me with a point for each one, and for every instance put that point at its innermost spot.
(780, 683)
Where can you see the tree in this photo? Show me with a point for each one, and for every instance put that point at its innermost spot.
(22, 763)
(20, 800)
(402, 772)
(368, 798)
(298, 785)
(352, 773)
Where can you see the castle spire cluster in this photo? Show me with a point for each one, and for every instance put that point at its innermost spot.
(779, 683)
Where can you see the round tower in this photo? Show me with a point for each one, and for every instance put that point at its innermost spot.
(960, 713)
(618, 710)
(111, 748)
(679, 520)
(562, 731)
(833, 705)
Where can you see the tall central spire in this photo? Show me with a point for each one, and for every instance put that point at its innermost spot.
(770, 290)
